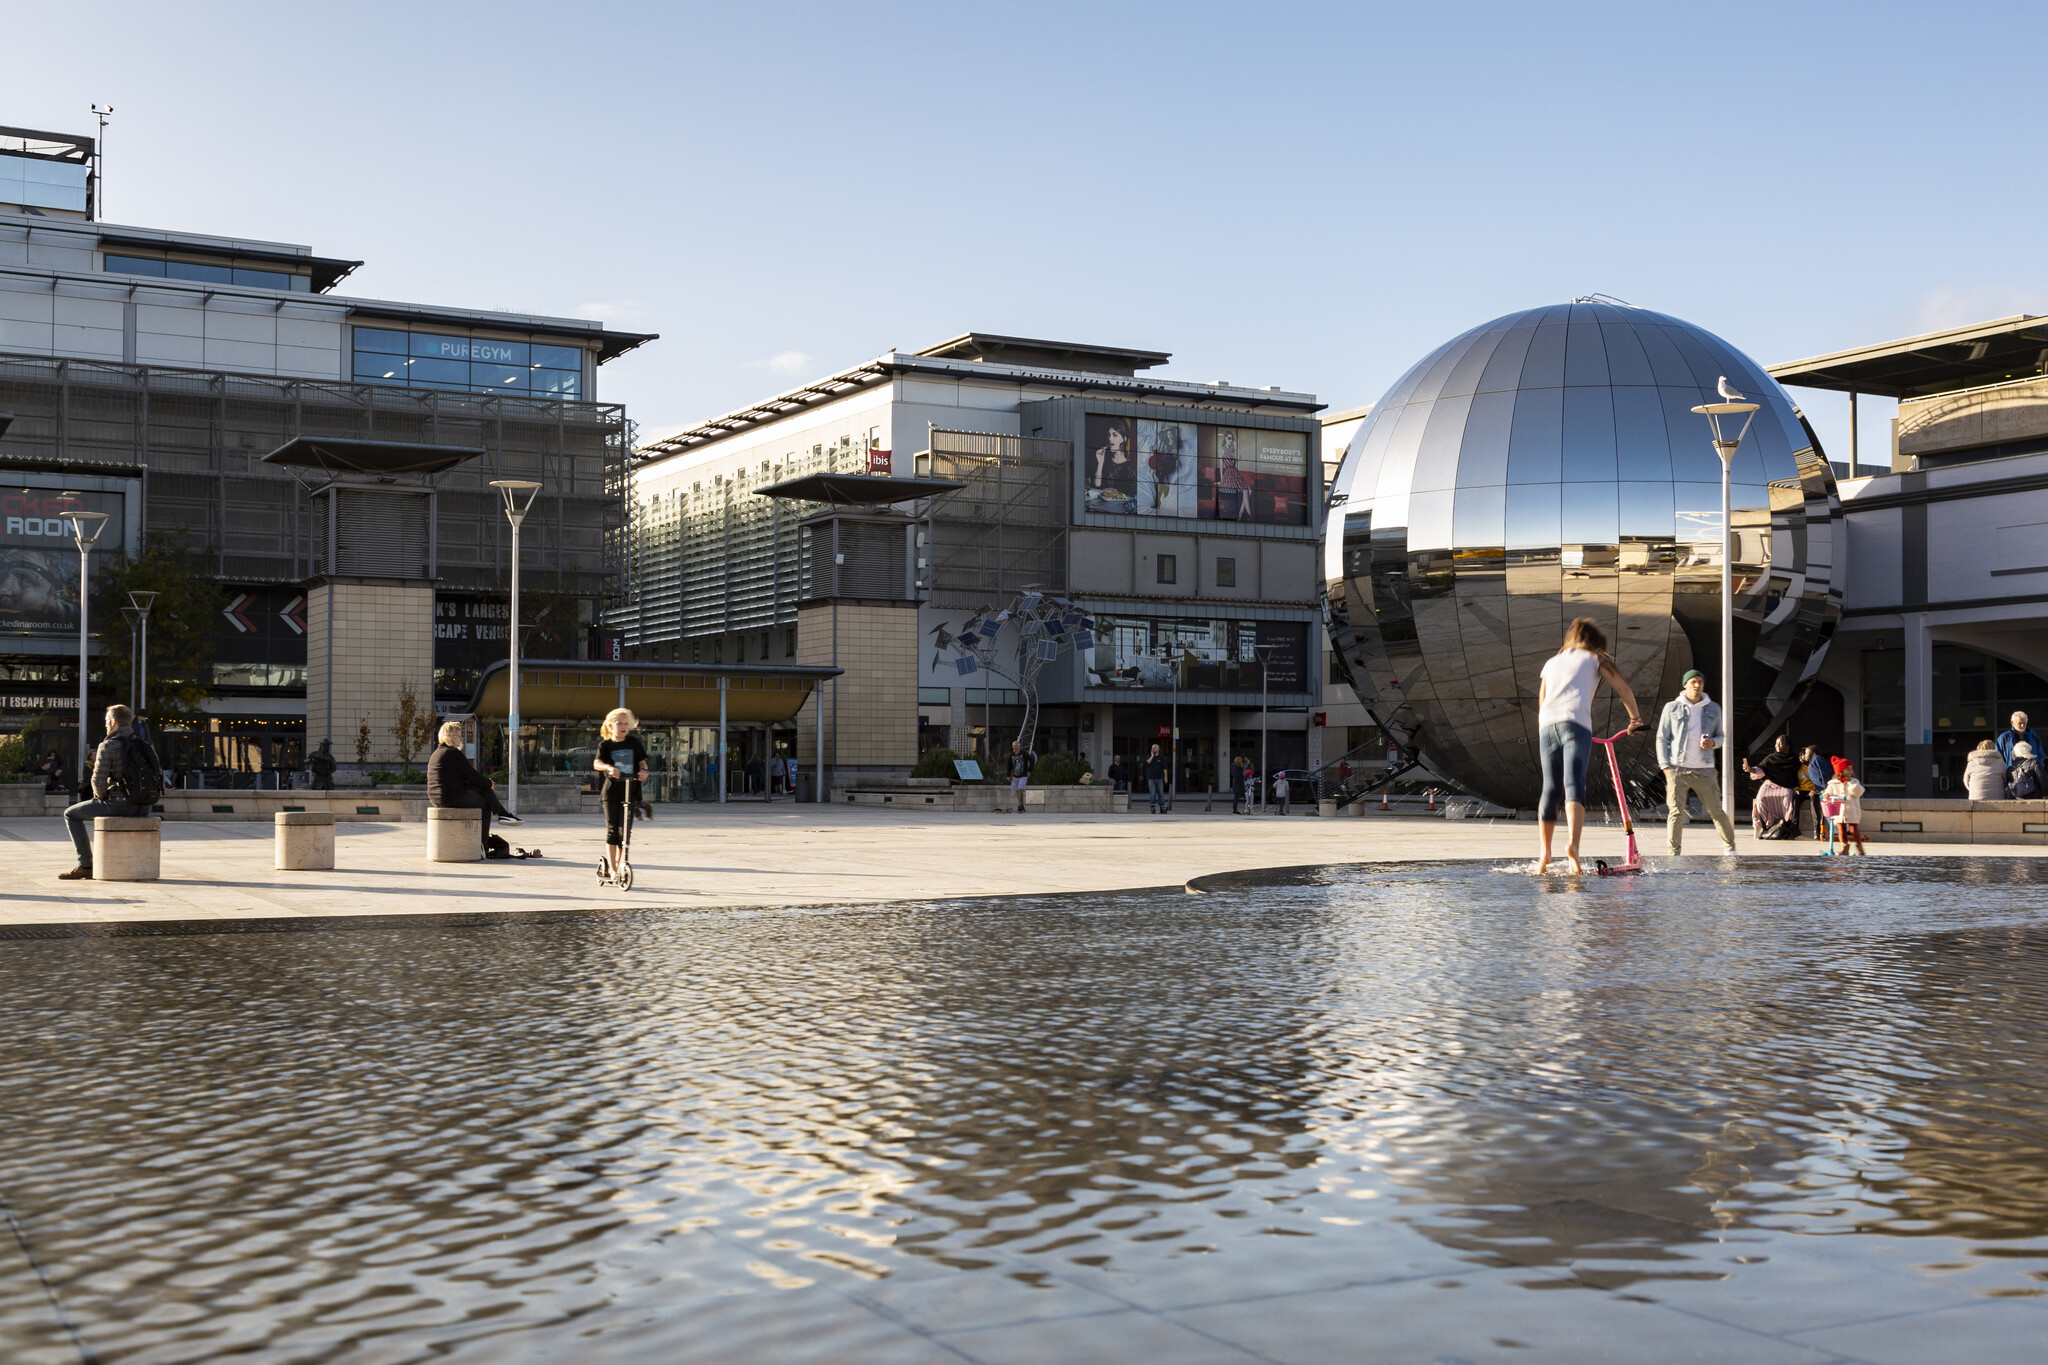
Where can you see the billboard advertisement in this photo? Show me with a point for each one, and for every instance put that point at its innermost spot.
(1193, 470)
(39, 559)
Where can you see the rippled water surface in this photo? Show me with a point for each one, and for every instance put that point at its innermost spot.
(1777, 1110)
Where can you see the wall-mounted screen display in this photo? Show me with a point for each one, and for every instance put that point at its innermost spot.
(1141, 467)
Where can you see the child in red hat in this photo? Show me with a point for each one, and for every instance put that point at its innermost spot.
(1846, 794)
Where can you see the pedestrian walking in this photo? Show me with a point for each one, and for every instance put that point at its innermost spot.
(1280, 790)
(2021, 733)
(127, 779)
(1022, 761)
(2023, 780)
(1688, 734)
(1251, 785)
(453, 783)
(1845, 793)
(321, 765)
(1564, 721)
(1155, 780)
(1238, 799)
(1984, 774)
(622, 759)
(1813, 782)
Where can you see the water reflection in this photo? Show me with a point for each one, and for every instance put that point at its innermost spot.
(439, 1139)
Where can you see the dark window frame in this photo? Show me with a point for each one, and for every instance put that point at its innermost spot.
(1166, 569)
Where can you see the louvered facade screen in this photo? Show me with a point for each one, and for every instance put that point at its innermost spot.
(855, 557)
(199, 438)
(377, 534)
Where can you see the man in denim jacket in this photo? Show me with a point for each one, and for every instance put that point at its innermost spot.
(1688, 738)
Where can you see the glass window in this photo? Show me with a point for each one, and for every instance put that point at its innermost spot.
(134, 265)
(498, 376)
(205, 274)
(488, 351)
(558, 357)
(450, 373)
(1226, 573)
(263, 279)
(377, 339)
(386, 368)
(1168, 566)
(561, 383)
(437, 347)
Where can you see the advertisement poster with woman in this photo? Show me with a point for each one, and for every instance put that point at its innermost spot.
(1112, 465)
(1166, 469)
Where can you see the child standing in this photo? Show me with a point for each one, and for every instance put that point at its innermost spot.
(1846, 790)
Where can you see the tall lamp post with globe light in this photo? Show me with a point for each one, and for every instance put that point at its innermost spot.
(85, 529)
(1732, 404)
(518, 495)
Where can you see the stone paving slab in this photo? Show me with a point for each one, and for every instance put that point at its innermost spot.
(740, 856)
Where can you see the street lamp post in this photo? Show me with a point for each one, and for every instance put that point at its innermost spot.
(518, 495)
(134, 618)
(1732, 404)
(1265, 666)
(141, 602)
(85, 529)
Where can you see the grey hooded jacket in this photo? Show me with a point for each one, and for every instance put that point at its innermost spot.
(1671, 732)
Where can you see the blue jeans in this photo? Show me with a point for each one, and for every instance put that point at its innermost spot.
(80, 818)
(1158, 786)
(1567, 750)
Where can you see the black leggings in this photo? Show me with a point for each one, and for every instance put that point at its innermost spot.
(615, 798)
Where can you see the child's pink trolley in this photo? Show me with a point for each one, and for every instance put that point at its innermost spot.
(1832, 809)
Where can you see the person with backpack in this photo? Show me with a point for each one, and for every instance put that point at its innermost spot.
(2022, 732)
(127, 779)
(454, 783)
(2024, 783)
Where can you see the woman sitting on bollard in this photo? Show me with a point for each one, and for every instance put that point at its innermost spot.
(454, 783)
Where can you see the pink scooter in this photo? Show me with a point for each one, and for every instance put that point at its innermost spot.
(1628, 824)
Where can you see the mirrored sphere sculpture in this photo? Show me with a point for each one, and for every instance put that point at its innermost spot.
(1547, 465)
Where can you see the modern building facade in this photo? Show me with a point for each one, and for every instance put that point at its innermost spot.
(1184, 518)
(1944, 629)
(327, 456)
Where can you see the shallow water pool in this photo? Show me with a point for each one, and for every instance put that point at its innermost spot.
(1759, 1110)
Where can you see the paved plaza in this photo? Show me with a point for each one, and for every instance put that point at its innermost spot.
(706, 857)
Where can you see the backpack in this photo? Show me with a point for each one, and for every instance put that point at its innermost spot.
(2026, 782)
(496, 847)
(1784, 829)
(141, 781)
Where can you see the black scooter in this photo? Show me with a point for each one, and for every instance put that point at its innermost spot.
(624, 877)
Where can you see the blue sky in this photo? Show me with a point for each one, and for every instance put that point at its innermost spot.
(1303, 195)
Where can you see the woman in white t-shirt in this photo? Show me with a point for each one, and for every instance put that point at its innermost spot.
(1564, 727)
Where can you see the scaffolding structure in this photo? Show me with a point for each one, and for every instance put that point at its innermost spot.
(196, 440)
(1006, 531)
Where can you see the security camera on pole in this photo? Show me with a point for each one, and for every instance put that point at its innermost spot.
(518, 495)
(1733, 402)
(85, 529)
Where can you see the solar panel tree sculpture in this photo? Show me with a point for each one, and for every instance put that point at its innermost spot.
(1042, 626)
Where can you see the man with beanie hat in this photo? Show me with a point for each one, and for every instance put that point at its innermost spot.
(1688, 734)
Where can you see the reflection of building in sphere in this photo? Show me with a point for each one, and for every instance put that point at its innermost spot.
(1548, 465)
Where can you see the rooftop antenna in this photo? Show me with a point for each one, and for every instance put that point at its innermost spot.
(99, 171)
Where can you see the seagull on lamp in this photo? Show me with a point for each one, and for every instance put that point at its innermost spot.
(1729, 393)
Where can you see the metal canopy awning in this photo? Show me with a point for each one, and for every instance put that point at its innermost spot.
(1970, 357)
(335, 455)
(857, 490)
(666, 694)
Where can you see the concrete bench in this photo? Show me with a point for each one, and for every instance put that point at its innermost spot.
(305, 841)
(454, 836)
(127, 848)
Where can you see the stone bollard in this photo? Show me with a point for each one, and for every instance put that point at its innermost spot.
(127, 848)
(454, 836)
(305, 841)
(1327, 808)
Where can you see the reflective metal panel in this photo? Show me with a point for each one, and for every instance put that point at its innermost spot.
(1547, 465)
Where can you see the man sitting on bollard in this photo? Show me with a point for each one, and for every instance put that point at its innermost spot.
(126, 780)
(454, 783)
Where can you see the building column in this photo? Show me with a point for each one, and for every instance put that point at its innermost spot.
(1919, 707)
(1223, 748)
